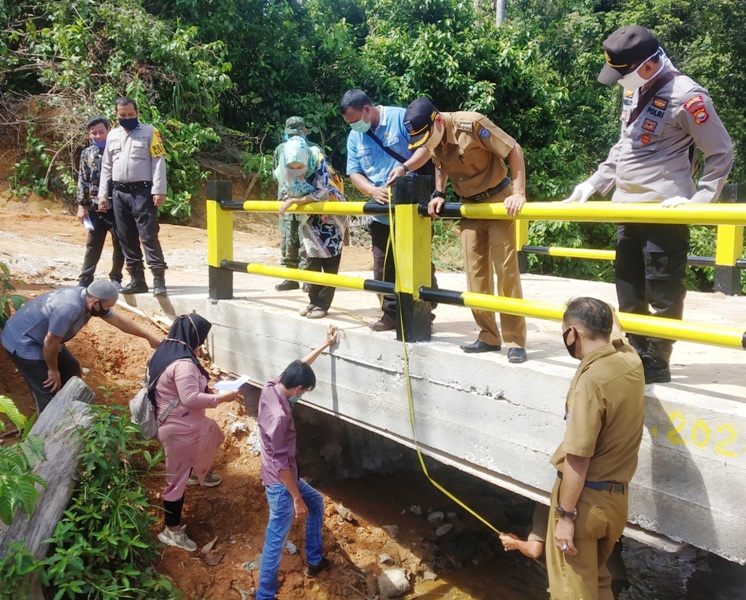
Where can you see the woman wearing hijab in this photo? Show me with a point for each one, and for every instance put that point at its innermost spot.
(189, 438)
(305, 177)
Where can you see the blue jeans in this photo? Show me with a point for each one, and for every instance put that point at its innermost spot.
(281, 514)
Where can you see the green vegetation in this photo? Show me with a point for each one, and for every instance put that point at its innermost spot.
(102, 548)
(9, 301)
(219, 79)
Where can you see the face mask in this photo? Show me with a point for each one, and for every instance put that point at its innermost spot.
(633, 80)
(436, 135)
(570, 347)
(295, 172)
(129, 124)
(100, 311)
(360, 126)
(98, 144)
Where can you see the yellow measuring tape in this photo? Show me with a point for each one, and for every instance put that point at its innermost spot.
(410, 397)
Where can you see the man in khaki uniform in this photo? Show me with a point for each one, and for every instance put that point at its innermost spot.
(598, 455)
(471, 150)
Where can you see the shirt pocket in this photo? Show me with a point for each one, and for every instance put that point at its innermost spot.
(115, 148)
(139, 150)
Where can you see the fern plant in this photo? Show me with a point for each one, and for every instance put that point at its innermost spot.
(8, 301)
(17, 482)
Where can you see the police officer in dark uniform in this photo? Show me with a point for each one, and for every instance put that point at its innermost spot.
(135, 162)
(664, 114)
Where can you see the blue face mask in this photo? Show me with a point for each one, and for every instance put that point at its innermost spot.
(129, 124)
(360, 126)
(98, 144)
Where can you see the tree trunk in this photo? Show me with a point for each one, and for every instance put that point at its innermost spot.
(57, 425)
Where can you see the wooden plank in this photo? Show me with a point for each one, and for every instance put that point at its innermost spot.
(68, 411)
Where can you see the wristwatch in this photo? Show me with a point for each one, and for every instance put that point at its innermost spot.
(437, 194)
(566, 514)
(405, 167)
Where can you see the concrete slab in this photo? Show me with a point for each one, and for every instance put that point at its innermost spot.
(498, 421)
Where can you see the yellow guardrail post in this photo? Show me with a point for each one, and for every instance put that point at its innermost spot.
(728, 250)
(521, 240)
(219, 239)
(412, 237)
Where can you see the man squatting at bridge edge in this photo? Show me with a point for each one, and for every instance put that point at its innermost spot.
(665, 115)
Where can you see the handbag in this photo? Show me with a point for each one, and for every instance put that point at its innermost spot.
(142, 412)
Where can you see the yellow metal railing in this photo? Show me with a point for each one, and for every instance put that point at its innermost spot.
(413, 251)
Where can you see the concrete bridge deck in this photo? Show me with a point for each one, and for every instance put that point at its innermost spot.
(498, 421)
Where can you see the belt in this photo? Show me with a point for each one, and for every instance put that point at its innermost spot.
(489, 193)
(602, 486)
(134, 186)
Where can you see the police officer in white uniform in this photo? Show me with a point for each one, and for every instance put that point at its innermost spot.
(664, 115)
(135, 161)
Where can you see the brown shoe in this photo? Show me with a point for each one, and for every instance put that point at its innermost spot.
(385, 323)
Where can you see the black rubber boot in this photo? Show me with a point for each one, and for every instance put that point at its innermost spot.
(137, 284)
(159, 282)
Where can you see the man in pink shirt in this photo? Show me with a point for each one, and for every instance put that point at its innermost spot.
(287, 494)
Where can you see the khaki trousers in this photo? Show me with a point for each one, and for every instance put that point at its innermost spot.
(600, 523)
(486, 243)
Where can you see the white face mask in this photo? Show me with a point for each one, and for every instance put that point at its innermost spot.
(633, 80)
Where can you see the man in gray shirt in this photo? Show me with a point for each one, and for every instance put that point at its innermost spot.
(664, 115)
(134, 160)
(35, 335)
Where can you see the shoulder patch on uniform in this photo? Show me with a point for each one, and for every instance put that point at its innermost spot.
(629, 93)
(659, 102)
(623, 116)
(645, 139)
(156, 145)
(649, 125)
(483, 132)
(464, 126)
(701, 115)
(689, 104)
(695, 106)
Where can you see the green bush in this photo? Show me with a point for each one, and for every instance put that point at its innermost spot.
(9, 301)
(102, 548)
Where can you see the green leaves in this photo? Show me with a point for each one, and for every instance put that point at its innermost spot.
(103, 547)
(17, 482)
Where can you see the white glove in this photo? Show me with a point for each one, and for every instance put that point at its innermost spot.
(581, 193)
(675, 201)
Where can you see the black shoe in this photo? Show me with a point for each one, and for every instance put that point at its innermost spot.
(286, 285)
(385, 323)
(313, 570)
(136, 286)
(661, 375)
(479, 346)
(517, 355)
(159, 285)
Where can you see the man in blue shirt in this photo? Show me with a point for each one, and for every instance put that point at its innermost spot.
(35, 335)
(370, 163)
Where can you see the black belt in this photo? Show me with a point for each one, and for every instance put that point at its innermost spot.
(134, 186)
(602, 486)
(489, 193)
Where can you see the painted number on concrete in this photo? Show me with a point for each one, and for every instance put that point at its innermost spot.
(722, 438)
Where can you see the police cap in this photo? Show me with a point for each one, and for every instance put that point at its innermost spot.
(625, 48)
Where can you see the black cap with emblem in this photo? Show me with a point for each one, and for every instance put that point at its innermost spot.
(418, 120)
(627, 47)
